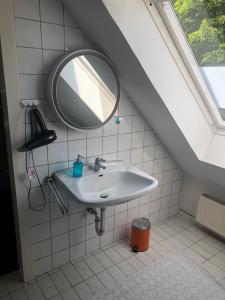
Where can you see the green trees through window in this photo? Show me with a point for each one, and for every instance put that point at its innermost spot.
(203, 22)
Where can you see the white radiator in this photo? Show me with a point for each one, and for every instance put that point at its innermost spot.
(211, 214)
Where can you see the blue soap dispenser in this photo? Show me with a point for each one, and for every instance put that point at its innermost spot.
(78, 166)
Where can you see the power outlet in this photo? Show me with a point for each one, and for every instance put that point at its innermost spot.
(30, 173)
(26, 103)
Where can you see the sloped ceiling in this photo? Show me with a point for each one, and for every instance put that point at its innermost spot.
(100, 27)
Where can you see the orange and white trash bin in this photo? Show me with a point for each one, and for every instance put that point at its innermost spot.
(140, 234)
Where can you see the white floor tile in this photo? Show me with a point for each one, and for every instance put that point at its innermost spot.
(13, 282)
(145, 259)
(124, 252)
(48, 288)
(83, 269)
(135, 263)
(19, 295)
(106, 279)
(117, 274)
(214, 270)
(72, 275)
(126, 268)
(70, 295)
(194, 255)
(95, 285)
(202, 251)
(104, 259)
(60, 281)
(33, 291)
(94, 264)
(114, 256)
(83, 291)
(3, 289)
(153, 254)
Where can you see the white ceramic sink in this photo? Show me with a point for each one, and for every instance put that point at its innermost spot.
(117, 184)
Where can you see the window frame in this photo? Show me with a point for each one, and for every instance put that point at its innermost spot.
(162, 12)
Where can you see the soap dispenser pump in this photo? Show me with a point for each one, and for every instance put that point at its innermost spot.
(78, 166)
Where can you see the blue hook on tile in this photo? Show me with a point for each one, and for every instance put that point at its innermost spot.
(117, 120)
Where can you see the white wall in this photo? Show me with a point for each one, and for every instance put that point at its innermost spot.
(54, 240)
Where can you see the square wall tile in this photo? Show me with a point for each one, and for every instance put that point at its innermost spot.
(27, 9)
(158, 165)
(148, 167)
(92, 244)
(77, 220)
(76, 135)
(59, 226)
(60, 242)
(68, 18)
(57, 167)
(156, 193)
(28, 33)
(138, 124)
(159, 151)
(31, 87)
(124, 156)
(107, 239)
(52, 11)
(74, 39)
(94, 133)
(52, 36)
(39, 217)
(120, 219)
(94, 147)
(149, 139)
(125, 107)
(155, 206)
(77, 236)
(40, 156)
(57, 152)
(124, 142)
(60, 258)
(110, 156)
(42, 249)
(149, 153)
(125, 125)
(109, 144)
(42, 265)
(110, 128)
(77, 251)
(77, 147)
(30, 60)
(136, 155)
(137, 139)
(49, 59)
(40, 232)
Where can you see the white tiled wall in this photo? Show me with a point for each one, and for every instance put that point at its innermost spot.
(44, 31)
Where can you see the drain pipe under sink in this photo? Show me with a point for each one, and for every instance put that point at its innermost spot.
(99, 220)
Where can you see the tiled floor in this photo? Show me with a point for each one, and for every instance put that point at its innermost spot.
(103, 269)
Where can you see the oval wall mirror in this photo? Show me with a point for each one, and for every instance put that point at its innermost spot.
(83, 89)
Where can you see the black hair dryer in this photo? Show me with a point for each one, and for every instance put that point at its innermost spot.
(41, 138)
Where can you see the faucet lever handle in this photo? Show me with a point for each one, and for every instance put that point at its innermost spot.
(99, 160)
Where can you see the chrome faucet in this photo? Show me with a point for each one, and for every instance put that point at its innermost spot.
(98, 164)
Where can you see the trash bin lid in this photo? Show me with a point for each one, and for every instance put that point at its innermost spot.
(141, 223)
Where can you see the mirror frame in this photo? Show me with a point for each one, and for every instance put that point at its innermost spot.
(53, 80)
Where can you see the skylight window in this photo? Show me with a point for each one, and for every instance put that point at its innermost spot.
(203, 25)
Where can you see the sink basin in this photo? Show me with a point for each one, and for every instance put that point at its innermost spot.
(117, 184)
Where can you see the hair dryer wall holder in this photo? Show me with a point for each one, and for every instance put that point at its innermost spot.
(29, 103)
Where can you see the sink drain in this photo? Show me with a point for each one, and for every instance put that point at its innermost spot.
(104, 196)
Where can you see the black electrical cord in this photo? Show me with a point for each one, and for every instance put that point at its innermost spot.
(26, 164)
